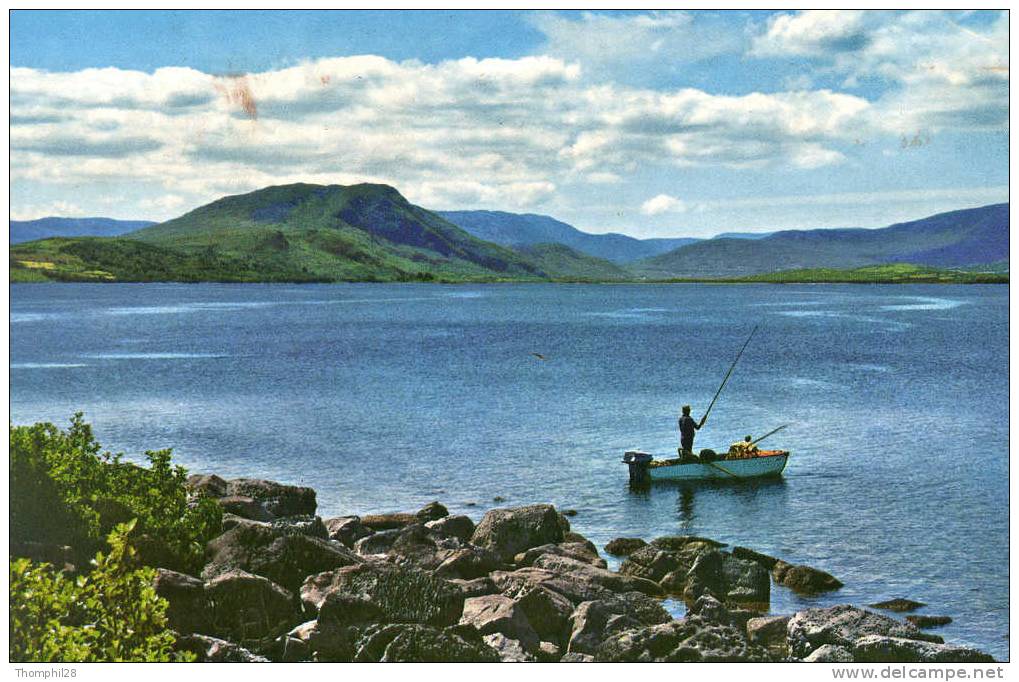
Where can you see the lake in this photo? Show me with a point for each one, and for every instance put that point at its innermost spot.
(385, 397)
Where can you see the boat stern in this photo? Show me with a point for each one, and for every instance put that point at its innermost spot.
(638, 462)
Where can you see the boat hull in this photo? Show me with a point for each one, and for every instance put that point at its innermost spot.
(727, 469)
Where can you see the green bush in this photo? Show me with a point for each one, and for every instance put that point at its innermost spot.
(110, 615)
(65, 490)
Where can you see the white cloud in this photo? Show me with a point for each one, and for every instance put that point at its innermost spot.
(812, 33)
(663, 203)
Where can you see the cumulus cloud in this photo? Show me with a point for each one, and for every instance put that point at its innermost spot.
(663, 203)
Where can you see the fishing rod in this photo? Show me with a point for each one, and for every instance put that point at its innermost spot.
(728, 374)
(773, 431)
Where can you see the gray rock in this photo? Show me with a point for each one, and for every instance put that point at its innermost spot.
(245, 507)
(468, 563)
(883, 649)
(279, 499)
(284, 556)
(688, 640)
(592, 622)
(841, 626)
(207, 485)
(378, 542)
(411, 643)
(804, 579)
(476, 587)
(214, 650)
(574, 587)
(624, 546)
(507, 532)
(433, 511)
(496, 613)
(898, 605)
(751, 555)
(377, 522)
(509, 650)
(768, 631)
(548, 613)
(188, 609)
(829, 653)
(612, 581)
(677, 543)
(572, 550)
(728, 579)
(925, 622)
(402, 595)
(457, 526)
(347, 530)
(248, 607)
(549, 652)
(652, 563)
(327, 642)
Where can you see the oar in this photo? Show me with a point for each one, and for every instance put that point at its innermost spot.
(773, 431)
(727, 375)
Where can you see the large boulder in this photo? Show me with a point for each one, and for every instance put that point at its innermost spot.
(248, 607)
(327, 642)
(592, 622)
(476, 587)
(244, 507)
(188, 608)
(347, 530)
(457, 526)
(728, 579)
(284, 557)
(548, 612)
(507, 532)
(842, 625)
(574, 587)
(433, 511)
(573, 550)
(415, 546)
(883, 649)
(467, 563)
(804, 579)
(497, 613)
(401, 595)
(829, 653)
(677, 543)
(651, 563)
(378, 542)
(752, 555)
(624, 546)
(612, 581)
(509, 650)
(899, 605)
(688, 640)
(279, 499)
(412, 643)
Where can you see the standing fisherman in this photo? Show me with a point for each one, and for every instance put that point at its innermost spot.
(687, 428)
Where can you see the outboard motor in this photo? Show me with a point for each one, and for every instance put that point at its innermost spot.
(638, 462)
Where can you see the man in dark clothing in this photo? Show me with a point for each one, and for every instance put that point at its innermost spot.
(687, 427)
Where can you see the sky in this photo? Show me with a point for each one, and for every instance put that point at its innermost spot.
(651, 124)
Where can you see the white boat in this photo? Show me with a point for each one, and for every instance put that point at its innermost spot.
(643, 467)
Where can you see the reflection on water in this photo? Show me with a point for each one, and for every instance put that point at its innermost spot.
(743, 499)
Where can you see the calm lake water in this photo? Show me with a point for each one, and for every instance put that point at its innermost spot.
(385, 397)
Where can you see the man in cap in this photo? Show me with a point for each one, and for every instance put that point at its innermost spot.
(687, 428)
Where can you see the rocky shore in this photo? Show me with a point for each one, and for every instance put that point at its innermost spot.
(282, 584)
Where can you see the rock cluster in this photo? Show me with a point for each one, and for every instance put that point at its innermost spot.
(281, 584)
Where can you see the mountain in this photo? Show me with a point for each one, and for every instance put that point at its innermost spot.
(299, 232)
(516, 229)
(28, 230)
(955, 239)
(743, 235)
(570, 264)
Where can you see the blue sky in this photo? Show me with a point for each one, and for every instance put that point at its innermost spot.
(647, 123)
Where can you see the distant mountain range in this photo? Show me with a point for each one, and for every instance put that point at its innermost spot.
(955, 239)
(28, 230)
(368, 232)
(525, 229)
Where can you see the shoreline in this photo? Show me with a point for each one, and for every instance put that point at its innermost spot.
(519, 584)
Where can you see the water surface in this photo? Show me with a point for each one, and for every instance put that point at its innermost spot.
(384, 397)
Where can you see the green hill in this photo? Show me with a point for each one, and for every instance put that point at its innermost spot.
(568, 264)
(287, 233)
(898, 273)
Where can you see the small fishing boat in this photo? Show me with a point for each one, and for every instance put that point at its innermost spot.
(644, 467)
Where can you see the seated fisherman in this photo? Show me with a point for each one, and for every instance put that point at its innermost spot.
(743, 449)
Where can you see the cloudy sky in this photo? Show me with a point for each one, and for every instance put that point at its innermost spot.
(651, 124)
